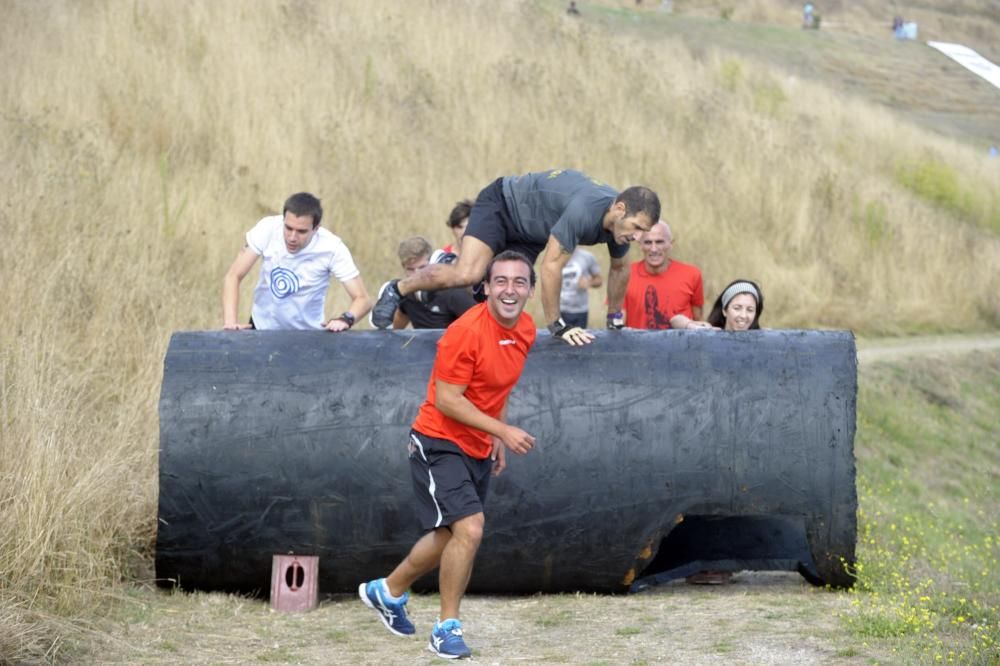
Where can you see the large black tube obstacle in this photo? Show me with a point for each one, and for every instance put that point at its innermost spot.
(658, 453)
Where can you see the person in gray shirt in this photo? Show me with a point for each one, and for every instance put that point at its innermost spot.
(546, 212)
(579, 274)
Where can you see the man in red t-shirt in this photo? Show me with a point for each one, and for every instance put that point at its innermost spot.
(661, 288)
(456, 443)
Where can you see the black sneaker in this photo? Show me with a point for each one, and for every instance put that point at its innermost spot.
(385, 306)
(479, 292)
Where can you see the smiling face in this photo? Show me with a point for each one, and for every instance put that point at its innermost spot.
(298, 231)
(740, 312)
(508, 291)
(656, 245)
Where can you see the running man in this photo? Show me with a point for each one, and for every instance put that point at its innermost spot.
(552, 211)
(457, 441)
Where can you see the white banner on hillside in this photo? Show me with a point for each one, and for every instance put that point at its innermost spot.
(969, 59)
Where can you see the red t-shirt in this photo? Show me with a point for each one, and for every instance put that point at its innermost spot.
(480, 354)
(651, 300)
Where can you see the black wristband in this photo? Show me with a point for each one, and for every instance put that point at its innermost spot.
(558, 327)
(347, 318)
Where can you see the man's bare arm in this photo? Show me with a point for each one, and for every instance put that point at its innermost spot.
(451, 400)
(617, 283)
(553, 261)
(231, 288)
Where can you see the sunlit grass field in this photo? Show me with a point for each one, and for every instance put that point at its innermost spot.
(141, 140)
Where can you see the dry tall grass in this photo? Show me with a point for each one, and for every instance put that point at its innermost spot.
(140, 141)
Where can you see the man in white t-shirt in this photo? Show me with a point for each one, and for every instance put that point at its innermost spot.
(299, 258)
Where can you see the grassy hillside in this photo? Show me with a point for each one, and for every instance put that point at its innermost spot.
(854, 53)
(929, 493)
(971, 22)
(141, 140)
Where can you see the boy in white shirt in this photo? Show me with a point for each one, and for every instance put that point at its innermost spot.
(300, 257)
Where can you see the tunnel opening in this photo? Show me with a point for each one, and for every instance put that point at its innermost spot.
(731, 543)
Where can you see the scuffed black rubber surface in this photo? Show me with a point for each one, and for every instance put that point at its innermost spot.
(276, 442)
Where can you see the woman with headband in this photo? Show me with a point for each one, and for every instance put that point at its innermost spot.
(738, 308)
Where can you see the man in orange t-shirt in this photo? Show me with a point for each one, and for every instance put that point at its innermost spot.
(660, 288)
(456, 443)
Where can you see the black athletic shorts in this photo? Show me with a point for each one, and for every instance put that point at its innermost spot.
(491, 223)
(448, 483)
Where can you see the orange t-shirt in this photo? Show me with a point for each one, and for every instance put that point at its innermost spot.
(480, 354)
(651, 300)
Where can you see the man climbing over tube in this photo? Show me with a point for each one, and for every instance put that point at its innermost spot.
(551, 211)
(456, 443)
(299, 258)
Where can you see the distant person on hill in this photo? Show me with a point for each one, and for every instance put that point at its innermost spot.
(299, 258)
(579, 274)
(549, 213)
(428, 309)
(738, 307)
(458, 219)
(807, 15)
(572, 10)
(661, 288)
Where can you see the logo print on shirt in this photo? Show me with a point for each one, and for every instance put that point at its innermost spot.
(508, 342)
(283, 282)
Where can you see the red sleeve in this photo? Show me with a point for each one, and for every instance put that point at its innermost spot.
(698, 295)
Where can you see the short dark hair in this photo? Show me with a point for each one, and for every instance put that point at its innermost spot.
(718, 319)
(511, 255)
(461, 211)
(639, 199)
(303, 204)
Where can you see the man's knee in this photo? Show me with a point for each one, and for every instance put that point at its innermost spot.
(469, 529)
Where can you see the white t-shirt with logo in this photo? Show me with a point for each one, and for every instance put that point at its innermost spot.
(291, 292)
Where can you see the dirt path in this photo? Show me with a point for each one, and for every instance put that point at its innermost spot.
(877, 350)
(760, 618)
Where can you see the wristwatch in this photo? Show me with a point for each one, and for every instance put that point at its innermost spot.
(348, 318)
(557, 327)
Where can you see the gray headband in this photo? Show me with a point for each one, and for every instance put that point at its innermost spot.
(735, 290)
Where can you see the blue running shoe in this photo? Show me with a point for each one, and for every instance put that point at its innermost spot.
(446, 640)
(392, 613)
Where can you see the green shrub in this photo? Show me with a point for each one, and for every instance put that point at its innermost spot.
(940, 184)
